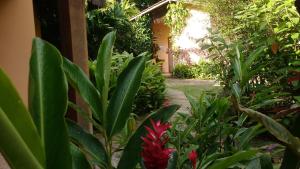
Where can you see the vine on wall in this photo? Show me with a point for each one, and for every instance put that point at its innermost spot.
(176, 17)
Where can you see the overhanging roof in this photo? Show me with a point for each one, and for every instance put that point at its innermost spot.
(151, 8)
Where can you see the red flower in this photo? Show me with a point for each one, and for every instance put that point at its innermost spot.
(154, 154)
(193, 158)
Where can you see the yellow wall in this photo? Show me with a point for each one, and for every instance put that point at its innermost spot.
(16, 32)
(161, 38)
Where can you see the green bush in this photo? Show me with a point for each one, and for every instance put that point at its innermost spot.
(183, 71)
(266, 33)
(132, 36)
(152, 90)
(203, 70)
(151, 93)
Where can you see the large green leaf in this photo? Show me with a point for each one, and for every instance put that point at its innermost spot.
(253, 57)
(89, 144)
(15, 118)
(262, 162)
(275, 128)
(226, 162)
(237, 65)
(84, 86)
(103, 69)
(120, 104)
(14, 148)
(132, 152)
(193, 102)
(78, 158)
(48, 97)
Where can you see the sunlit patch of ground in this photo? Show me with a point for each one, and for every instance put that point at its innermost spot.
(193, 86)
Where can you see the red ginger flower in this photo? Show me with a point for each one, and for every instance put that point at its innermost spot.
(155, 155)
(193, 158)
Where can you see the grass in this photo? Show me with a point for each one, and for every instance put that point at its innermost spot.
(195, 89)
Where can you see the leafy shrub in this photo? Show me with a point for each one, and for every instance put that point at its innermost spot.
(176, 17)
(151, 93)
(203, 70)
(183, 71)
(133, 36)
(269, 41)
(111, 114)
(214, 133)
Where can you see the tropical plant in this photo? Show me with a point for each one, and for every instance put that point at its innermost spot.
(222, 13)
(155, 155)
(219, 138)
(33, 140)
(132, 36)
(183, 71)
(176, 17)
(292, 143)
(38, 138)
(283, 135)
(202, 70)
(110, 114)
(151, 93)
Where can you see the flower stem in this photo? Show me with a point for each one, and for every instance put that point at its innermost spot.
(108, 147)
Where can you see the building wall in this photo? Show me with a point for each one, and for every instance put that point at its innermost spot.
(188, 42)
(161, 38)
(16, 32)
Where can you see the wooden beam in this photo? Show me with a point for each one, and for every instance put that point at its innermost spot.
(151, 8)
(74, 43)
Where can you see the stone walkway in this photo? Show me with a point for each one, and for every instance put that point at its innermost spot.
(3, 164)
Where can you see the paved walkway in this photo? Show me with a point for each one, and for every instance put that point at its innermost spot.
(3, 164)
(176, 87)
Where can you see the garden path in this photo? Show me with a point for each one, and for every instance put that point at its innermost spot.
(177, 87)
(3, 164)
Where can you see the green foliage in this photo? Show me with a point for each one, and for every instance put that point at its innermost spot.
(151, 93)
(203, 70)
(176, 17)
(32, 140)
(275, 128)
(132, 36)
(143, 4)
(229, 161)
(115, 111)
(88, 144)
(222, 13)
(262, 47)
(48, 117)
(131, 154)
(220, 139)
(183, 71)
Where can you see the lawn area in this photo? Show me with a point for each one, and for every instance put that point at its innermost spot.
(194, 87)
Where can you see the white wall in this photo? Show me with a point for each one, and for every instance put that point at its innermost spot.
(197, 26)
